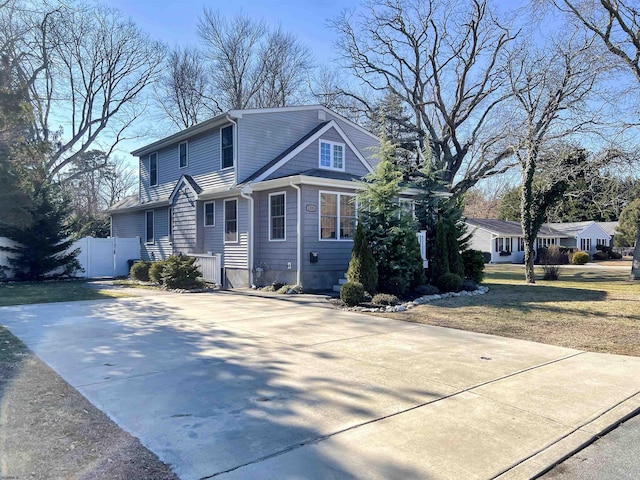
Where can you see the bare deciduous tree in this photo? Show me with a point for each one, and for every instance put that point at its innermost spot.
(617, 24)
(550, 88)
(184, 89)
(443, 60)
(252, 67)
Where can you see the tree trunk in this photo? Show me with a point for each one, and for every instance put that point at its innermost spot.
(635, 266)
(529, 258)
(527, 215)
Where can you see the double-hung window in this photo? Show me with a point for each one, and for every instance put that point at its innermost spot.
(226, 149)
(331, 155)
(230, 221)
(503, 244)
(209, 214)
(153, 169)
(337, 216)
(182, 151)
(277, 216)
(585, 244)
(520, 244)
(149, 226)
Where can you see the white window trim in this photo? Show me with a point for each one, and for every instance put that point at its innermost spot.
(333, 144)
(234, 146)
(186, 150)
(285, 217)
(153, 227)
(204, 210)
(224, 222)
(338, 238)
(157, 170)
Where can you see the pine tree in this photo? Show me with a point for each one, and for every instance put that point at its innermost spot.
(41, 250)
(362, 267)
(439, 264)
(453, 248)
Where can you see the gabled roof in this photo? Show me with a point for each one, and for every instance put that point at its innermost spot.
(190, 182)
(509, 228)
(271, 167)
(573, 229)
(132, 202)
(609, 227)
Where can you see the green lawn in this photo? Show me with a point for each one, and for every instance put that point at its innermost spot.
(588, 308)
(46, 292)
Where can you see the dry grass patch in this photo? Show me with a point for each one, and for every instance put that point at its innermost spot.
(587, 309)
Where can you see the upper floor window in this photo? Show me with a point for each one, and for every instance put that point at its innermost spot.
(277, 216)
(153, 169)
(337, 216)
(226, 142)
(331, 155)
(209, 214)
(230, 221)
(183, 154)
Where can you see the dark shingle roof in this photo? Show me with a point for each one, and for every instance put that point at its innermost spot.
(273, 162)
(509, 228)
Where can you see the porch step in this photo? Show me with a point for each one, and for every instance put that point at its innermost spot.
(341, 281)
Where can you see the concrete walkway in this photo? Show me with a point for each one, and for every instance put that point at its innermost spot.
(235, 385)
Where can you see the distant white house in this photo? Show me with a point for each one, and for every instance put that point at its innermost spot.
(503, 239)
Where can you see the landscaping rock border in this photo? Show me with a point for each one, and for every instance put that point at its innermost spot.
(418, 301)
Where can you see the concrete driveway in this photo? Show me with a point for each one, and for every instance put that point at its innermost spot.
(239, 385)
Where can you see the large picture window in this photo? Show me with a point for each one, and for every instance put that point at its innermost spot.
(153, 169)
(277, 216)
(226, 141)
(337, 216)
(230, 220)
(182, 148)
(331, 155)
(149, 226)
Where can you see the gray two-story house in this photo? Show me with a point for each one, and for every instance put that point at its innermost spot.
(272, 191)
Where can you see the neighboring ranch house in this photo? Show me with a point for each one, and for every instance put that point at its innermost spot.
(271, 192)
(504, 240)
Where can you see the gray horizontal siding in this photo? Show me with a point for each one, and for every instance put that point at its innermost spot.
(235, 254)
(127, 225)
(160, 248)
(213, 236)
(309, 158)
(274, 255)
(367, 145)
(184, 225)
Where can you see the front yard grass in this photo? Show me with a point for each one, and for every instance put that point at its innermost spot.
(51, 291)
(588, 308)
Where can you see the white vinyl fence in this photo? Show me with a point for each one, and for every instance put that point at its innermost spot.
(99, 257)
(209, 266)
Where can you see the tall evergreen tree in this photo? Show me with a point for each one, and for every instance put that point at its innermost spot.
(439, 261)
(362, 267)
(42, 247)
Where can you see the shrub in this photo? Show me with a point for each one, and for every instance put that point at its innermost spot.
(277, 285)
(469, 285)
(140, 271)
(579, 258)
(615, 255)
(426, 290)
(352, 293)
(180, 271)
(394, 285)
(600, 256)
(487, 256)
(155, 272)
(473, 261)
(384, 299)
(551, 260)
(362, 266)
(450, 282)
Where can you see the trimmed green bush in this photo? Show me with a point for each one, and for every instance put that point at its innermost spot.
(352, 293)
(426, 290)
(140, 271)
(180, 271)
(600, 256)
(579, 258)
(385, 299)
(473, 261)
(615, 255)
(362, 266)
(394, 285)
(450, 282)
(155, 272)
(469, 285)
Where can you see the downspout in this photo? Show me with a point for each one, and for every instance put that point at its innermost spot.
(298, 235)
(246, 193)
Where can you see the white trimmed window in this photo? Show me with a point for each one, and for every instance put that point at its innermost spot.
(230, 221)
(545, 242)
(503, 244)
(209, 214)
(331, 155)
(153, 169)
(277, 216)
(226, 146)
(149, 226)
(520, 244)
(337, 216)
(585, 244)
(182, 152)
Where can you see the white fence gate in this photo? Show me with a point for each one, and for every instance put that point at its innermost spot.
(209, 266)
(422, 240)
(99, 257)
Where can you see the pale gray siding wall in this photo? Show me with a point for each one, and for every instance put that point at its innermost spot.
(334, 255)
(273, 256)
(481, 240)
(213, 236)
(160, 248)
(127, 225)
(367, 145)
(235, 253)
(309, 158)
(264, 136)
(184, 224)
